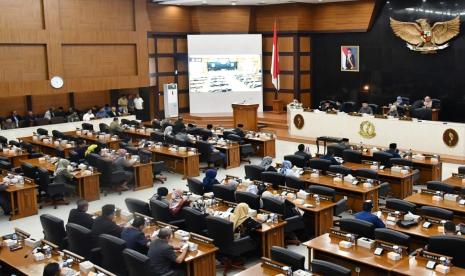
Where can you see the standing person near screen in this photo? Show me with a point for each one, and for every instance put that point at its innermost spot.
(139, 107)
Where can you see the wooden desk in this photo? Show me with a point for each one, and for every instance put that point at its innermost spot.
(245, 114)
(401, 184)
(184, 163)
(49, 148)
(143, 176)
(88, 186)
(425, 199)
(15, 158)
(138, 134)
(416, 266)
(434, 112)
(233, 154)
(454, 181)
(110, 142)
(263, 146)
(266, 267)
(356, 194)
(23, 200)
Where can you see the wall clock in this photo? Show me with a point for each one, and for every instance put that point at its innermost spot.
(56, 82)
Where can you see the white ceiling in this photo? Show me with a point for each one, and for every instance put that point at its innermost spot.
(238, 2)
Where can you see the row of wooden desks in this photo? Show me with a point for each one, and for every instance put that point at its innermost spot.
(185, 163)
(15, 157)
(47, 148)
(23, 199)
(112, 143)
(362, 261)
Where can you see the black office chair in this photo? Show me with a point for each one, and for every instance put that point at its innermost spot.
(437, 212)
(158, 167)
(276, 179)
(3, 141)
(93, 159)
(274, 205)
(5, 165)
(169, 139)
(42, 131)
(137, 206)
(222, 233)
(400, 205)
(194, 221)
(461, 170)
(224, 192)
(207, 155)
(366, 173)
(253, 172)
(14, 143)
(104, 128)
(87, 126)
(195, 186)
(440, 186)
(296, 160)
(322, 190)
(59, 152)
(294, 182)
(161, 212)
(111, 249)
(353, 156)
(340, 207)
(48, 190)
(110, 179)
(348, 107)
(157, 137)
(57, 134)
(405, 100)
(383, 158)
(337, 149)
(252, 200)
(54, 230)
(422, 113)
(226, 133)
(41, 122)
(74, 157)
(340, 169)
(80, 242)
(401, 162)
(436, 103)
(29, 171)
(449, 246)
(58, 120)
(246, 149)
(288, 257)
(125, 122)
(374, 108)
(384, 190)
(136, 263)
(180, 142)
(329, 269)
(356, 226)
(392, 236)
(133, 150)
(319, 164)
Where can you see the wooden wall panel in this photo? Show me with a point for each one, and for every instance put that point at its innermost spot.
(183, 100)
(165, 18)
(40, 103)
(97, 15)
(85, 100)
(21, 14)
(13, 103)
(305, 99)
(151, 45)
(286, 63)
(22, 63)
(81, 61)
(182, 66)
(286, 81)
(285, 44)
(165, 45)
(221, 19)
(305, 81)
(183, 82)
(165, 65)
(289, 17)
(181, 44)
(305, 64)
(305, 44)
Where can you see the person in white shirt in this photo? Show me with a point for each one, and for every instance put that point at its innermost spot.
(88, 116)
(49, 113)
(139, 107)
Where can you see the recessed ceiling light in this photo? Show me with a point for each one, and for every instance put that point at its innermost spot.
(204, 2)
(233, 3)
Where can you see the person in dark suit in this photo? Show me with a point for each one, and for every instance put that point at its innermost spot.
(113, 112)
(15, 118)
(238, 130)
(178, 125)
(4, 199)
(301, 152)
(393, 150)
(163, 258)
(29, 119)
(80, 216)
(134, 237)
(330, 156)
(104, 224)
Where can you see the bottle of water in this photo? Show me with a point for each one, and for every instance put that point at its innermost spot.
(317, 199)
(287, 270)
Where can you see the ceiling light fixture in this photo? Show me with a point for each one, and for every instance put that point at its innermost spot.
(233, 3)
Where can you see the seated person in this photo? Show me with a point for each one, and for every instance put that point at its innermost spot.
(120, 163)
(80, 216)
(449, 228)
(177, 202)
(52, 269)
(4, 199)
(301, 152)
(63, 175)
(60, 112)
(231, 182)
(399, 101)
(209, 180)
(182, 135)
(115, 126)
(163, 257)
(29, 119)
(81, 148)
(102, 113)
(168, 131)
(266, 163)
(243, 224)
(213, 149)
(393, 111)
(344, 143)
(286, 169)
(104, 224)
(113, 112)
(15, 118)
(88, 116)
(366, 215)
(365, 109)
(134, 236)
(393, 150)
(238, 130)
(427, 103)
(326, 106)
(8, 124)
(162, 193)
(178, 125)
(73, 117)
(330, 156)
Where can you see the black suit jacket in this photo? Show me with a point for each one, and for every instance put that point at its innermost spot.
(103, 225)
(113, 114)
(81, 218)
(239, 132)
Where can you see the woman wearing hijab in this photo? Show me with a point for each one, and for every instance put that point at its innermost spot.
(209, 180)
(266, 163)
(63, 175)
(168, 131)
(243, 224)
(286, 167)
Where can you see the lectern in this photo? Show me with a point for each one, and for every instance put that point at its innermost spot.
(245, 114)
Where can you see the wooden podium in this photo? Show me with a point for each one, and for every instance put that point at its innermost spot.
(245, 114)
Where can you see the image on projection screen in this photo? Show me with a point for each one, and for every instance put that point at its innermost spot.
(225, 73)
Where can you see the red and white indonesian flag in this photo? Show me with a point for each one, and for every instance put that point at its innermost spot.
(275, 60)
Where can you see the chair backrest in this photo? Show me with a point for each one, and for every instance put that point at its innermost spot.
(400, 205)
(321, 190)
(436, 103)
(43, 180)
(93, 159)
(337, 149)
(74, 156)
(340, 169)
(461, 170)
(326, 268)
(353, 156)
(348, 107)
(42, 131)
(112, 253)
(145, 156)
(340, 207)
(54, 229)
(450, 246)
(296, 160)
(203, 147)
(275, 178)
(137, 206)
(294, 182)
(224, 192)
(383, 158)
(366, 173)
(288, 257)
(195, 186)
(221, 231)
(392, 236)
(79, 240)
(104, 127)
(422, 113)
(29, 170)
(319, 164)
(194, 220)
(160, 211)
(253, 172)
(157, 136)
(3, 140)
(87, 126)
(252, 200)
(273, 205)
(5, 165)
(41, 122)
(356, 226)
(436, 212)
(169, 139)
(401, 162)
(440, 186)
(58, 120)
(374, 108)
(136, 263)
(132, 150)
